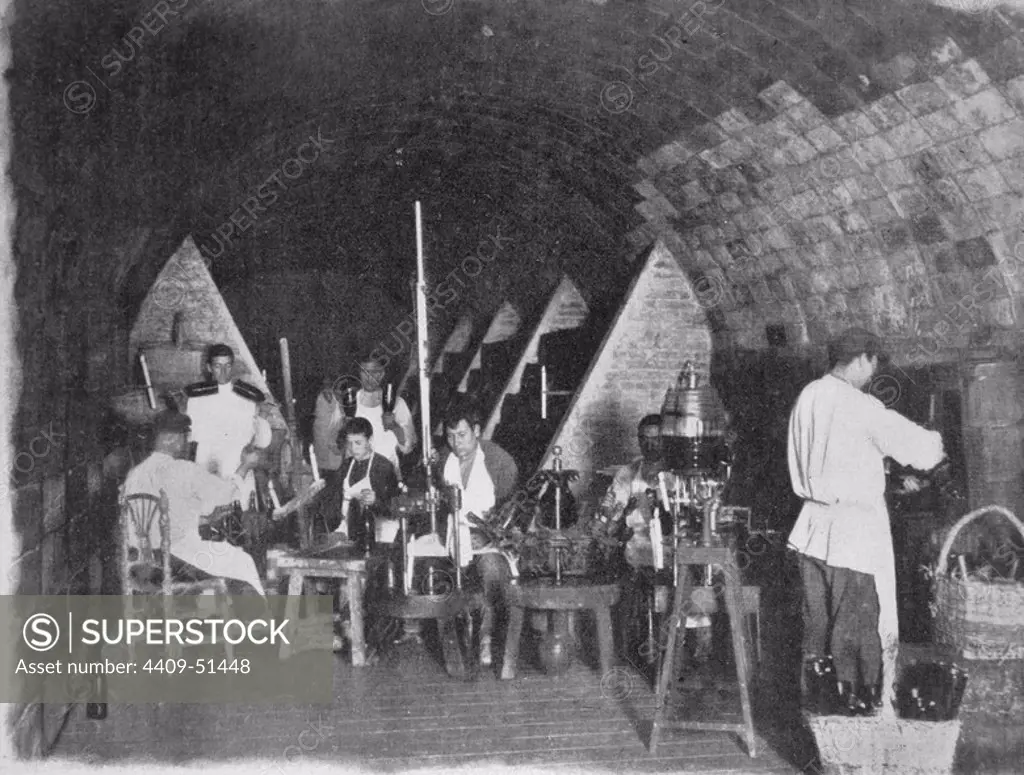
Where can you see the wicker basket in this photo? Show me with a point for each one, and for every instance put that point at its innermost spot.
(983, 619)
(874, 745)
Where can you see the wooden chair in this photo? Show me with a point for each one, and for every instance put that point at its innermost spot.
(146, 570)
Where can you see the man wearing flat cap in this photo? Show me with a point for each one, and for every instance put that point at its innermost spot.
(193, 492)
(839, 436)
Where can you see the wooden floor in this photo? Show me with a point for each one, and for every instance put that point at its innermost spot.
(406, 712)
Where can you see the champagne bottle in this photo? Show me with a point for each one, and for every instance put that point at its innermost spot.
(370, 533)
(98, 710)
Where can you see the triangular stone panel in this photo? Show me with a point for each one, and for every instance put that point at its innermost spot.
(504, 325)
(457, 342)
(566, 309)
(185, 290)
(661, 324)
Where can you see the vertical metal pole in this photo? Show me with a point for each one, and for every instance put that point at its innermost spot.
(543, 392)
(404, 528)
(556, 466)
(457, 534)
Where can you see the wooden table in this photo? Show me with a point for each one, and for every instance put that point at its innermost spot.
(724, 557)
(561, 599)
(342, 562)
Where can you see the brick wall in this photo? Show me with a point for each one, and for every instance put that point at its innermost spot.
(661, 324)
(903, 215)
(184, 287)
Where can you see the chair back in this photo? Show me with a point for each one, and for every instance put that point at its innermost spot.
(139, 514)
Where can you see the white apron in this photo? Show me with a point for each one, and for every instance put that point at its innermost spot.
(352, 490)
(477, 498)
(385, 529)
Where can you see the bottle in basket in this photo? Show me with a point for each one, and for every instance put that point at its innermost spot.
(822, 689)
(959, 677)
(97, 710)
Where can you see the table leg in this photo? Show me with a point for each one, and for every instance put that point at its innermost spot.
(355, 586)
(605, 638)
(515, 632)
(295, 580)
(454, 660)
(740, 654)
(667, 678)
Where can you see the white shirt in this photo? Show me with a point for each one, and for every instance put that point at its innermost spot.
(222, 425)
(330, 418)
(477, 497)
(191, 493)
(838, 437)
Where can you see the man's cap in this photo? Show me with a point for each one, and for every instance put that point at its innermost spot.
(852, 342)
(172, 422)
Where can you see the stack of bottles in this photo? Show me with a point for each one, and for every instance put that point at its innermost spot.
(926, 691)
(931, 691)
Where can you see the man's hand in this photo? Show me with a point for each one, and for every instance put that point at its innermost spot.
(249, 460)
(911, 484)
(390, 424)
(367, 497)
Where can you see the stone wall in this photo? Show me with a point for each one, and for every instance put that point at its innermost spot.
(903, 215)
(661, 324)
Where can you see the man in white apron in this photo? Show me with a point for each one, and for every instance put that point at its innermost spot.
(486, 475)
(225, 418)
(838, 439)
(192, 492)
(368, 481)
(393, 432)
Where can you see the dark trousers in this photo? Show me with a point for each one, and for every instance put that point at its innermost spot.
(840, 614)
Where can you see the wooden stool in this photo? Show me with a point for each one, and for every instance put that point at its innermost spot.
(725, 558)
(571, 595)
(445, 609)
(750, 610)
(342, 563)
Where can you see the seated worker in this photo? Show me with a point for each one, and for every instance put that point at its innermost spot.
(367, 481)
(192, 493)
(225, 418)
(632, 481)
(487, 475)
(627, 499)
(364, 489)
(394, 432)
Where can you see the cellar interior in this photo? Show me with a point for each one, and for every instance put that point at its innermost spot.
(609, 189)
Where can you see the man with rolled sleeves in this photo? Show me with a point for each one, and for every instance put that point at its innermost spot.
(839, 437)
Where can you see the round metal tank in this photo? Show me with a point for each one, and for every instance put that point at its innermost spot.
(693, 424)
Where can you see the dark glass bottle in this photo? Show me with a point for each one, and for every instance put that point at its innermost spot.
(369, 531)
(97, 710)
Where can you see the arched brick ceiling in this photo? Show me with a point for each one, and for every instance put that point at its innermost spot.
(533, 114)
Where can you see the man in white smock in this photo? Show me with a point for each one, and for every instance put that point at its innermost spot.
(839, 436)
(192, 492)
(225, 419)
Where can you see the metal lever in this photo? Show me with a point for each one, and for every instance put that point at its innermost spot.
(544, 392)
(456, 502)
